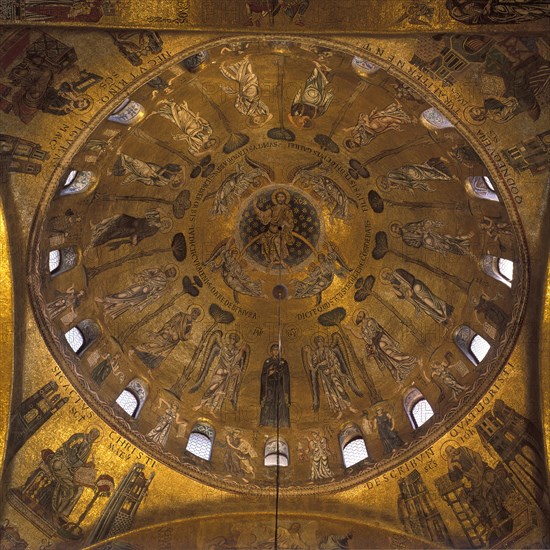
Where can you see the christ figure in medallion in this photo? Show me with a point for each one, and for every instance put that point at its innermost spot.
(279, 222)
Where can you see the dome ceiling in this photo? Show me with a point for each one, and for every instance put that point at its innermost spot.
(258, 181)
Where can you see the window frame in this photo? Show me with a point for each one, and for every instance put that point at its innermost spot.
(206, 431)
(137, 408)
(280, 450)
(463, 337)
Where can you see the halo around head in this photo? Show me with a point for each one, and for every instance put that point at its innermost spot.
(280, 191)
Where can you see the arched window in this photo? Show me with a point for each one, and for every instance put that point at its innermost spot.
(201, 440)
(353, 445)
(75, 339)
(61, 260)
(76, 181)
(132, 398)
(54, 260)
(276, 452)
(506, 269)
(81, 336)
(421, 412)
(481, 187)
(417, 407)
(363, 67)
(479, 347)
(474, 346)
(500, 269)
(128, 112)
(128, 402)
(196, 61)
(434, 120)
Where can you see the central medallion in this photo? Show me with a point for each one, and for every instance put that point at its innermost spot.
(279, 228)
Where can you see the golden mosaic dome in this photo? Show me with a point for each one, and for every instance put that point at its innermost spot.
(278, 246)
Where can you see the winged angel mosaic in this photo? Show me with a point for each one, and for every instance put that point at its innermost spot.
(328, 362)
(225, 358)
(315, 176)
(237, 183)
(225, 258)
(321, 274)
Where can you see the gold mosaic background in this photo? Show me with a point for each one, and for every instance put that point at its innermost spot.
(495, 92)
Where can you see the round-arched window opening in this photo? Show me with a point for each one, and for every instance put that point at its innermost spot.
(276, 452)
(128, 402)
(75, 339)
(201, 441)
(421, 412)
(354, 452)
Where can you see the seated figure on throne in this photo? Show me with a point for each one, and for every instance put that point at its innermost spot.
(55, 487)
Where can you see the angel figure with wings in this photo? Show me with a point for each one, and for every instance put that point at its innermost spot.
(196, 131)
(237, 183)
(321, 274)
(315, 176)
(228, 359)
(330, 364)
(225, 258)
